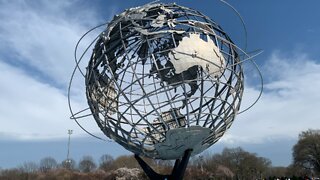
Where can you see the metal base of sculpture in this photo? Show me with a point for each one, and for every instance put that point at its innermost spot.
(177, 172)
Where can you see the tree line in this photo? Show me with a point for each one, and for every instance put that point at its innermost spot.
(231, 163)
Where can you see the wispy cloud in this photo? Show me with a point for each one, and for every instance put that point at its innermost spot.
(42, 35)
(36, 60)
(37, 40)
(30, 109)
(289, 103)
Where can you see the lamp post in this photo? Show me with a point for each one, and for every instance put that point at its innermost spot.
(68, 160)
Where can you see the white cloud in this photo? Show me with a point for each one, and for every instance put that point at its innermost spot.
(289, 104)
(30, 109)
(43, 35)
(36, 59)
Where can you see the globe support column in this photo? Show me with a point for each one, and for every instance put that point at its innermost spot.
(177, 171)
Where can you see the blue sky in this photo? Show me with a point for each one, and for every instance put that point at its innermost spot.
(37, 40)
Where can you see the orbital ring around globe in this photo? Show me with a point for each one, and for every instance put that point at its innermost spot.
(162, 79)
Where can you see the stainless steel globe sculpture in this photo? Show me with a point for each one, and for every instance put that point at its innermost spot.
(163, 79)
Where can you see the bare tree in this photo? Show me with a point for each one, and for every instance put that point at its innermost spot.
(306, 153)
(29, 167)
(47, 164)
(106, 162)
(87, 164)
(295, 171)
(126, 161)
(237, 163)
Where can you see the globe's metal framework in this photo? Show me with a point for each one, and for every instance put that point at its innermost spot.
(163, 79)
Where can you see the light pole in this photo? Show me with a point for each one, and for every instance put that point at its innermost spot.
(68, 160)
(201, 163)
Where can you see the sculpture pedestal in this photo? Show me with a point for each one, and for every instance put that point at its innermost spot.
(177, 171)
